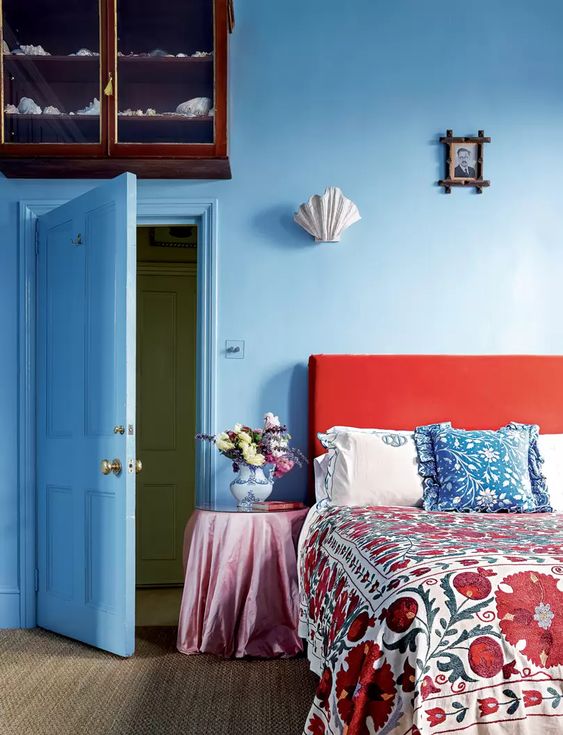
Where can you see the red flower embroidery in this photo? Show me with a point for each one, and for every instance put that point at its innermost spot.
(485, 657)
(316, 726)
(533, 612)
(354, 599)
(338, 616)
(364, 691)
(435, 716)
(359, 626)
(324, 688)
(487, 706)
(473, 585)
(399, 565)
(407, 678)
(509, 669)
(532, 698)
(339, 587)
(428, 687)
(401, 613)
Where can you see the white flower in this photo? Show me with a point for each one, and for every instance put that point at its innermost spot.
(251, 456)
(271, 421)
(244, 438)
(490, 454)
(544, 615)
(223, 442)
(487, 497)
(237, 428)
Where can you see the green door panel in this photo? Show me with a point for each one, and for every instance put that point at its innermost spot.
(166, 395)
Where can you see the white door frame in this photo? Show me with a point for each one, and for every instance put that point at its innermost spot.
(149, 212)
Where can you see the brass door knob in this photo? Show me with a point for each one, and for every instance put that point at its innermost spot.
(135, 465)
(108, 467)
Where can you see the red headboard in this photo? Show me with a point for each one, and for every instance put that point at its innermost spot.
(404, 391)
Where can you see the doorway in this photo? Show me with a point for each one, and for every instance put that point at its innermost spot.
(166, 413)
(149, 212)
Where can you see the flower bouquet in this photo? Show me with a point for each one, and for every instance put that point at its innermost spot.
(253, 450)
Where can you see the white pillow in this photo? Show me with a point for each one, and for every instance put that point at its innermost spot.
(370, 467)
(551, 449)
(320, 467)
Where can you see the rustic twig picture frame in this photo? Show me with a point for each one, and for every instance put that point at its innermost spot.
(464, 161)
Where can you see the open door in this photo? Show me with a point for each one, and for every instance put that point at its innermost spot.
(86, 417)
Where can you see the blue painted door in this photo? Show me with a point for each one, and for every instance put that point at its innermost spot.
(86, 398)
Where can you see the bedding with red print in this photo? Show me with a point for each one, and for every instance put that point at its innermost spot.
(421, 622)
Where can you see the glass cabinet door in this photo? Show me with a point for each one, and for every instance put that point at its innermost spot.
(51, 71)
(165, 71)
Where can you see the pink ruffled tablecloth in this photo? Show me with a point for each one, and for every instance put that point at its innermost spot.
(241, 595)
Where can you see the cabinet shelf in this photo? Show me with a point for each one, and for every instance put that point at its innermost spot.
(12, 116)
(166, 118)
(16, 59)
(121, 118)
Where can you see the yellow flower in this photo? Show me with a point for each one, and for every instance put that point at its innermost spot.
(223, 442)
(251, 456)
(244, 438)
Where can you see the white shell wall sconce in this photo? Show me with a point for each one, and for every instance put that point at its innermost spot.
(326, 217)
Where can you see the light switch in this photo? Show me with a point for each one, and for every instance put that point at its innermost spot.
(234, 349)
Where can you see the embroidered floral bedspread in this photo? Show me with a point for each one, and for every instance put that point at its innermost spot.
(439, 623)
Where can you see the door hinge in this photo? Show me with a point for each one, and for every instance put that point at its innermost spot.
(37, 237)
(37, 580)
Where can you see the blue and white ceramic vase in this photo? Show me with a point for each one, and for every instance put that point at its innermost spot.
(251, 485)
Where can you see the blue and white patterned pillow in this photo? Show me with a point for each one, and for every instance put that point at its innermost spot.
(487, 471)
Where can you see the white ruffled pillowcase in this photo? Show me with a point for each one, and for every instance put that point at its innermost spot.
(551, 449)
(368, 467)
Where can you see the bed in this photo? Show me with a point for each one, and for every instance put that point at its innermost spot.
(424, 622)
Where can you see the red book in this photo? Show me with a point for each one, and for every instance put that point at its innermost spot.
(268, 506)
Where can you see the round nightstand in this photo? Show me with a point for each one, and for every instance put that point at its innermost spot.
(241, 593)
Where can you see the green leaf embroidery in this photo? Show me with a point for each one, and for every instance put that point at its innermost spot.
(454, 665)
(407, 641)
(513, 707)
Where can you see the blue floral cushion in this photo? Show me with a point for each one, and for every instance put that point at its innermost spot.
(487, 471)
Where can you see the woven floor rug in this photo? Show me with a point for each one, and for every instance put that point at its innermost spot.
(50, 685)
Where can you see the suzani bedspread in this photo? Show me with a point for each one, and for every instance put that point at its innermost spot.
(423, 622)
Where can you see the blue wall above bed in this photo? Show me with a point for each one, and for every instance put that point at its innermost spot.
(356, 95)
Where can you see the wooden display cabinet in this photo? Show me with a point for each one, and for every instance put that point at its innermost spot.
(75, 110)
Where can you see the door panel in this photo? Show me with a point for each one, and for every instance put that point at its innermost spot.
(85, 388)
(166, 409)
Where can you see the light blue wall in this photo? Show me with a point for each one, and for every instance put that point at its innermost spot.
(356, 95)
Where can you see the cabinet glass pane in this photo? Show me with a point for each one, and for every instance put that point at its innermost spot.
(165, 71)
(51, 71)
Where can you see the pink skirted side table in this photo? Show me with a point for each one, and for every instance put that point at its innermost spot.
(241, 593)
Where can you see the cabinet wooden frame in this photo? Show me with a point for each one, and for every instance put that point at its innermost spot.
(110, 157)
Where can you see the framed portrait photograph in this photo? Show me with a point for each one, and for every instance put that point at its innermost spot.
(464, 162)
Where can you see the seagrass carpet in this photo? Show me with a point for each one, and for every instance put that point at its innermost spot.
(50, 685)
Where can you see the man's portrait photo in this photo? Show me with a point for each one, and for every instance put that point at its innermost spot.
(465, 161)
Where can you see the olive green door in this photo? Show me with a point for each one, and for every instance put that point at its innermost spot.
(166, 390)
